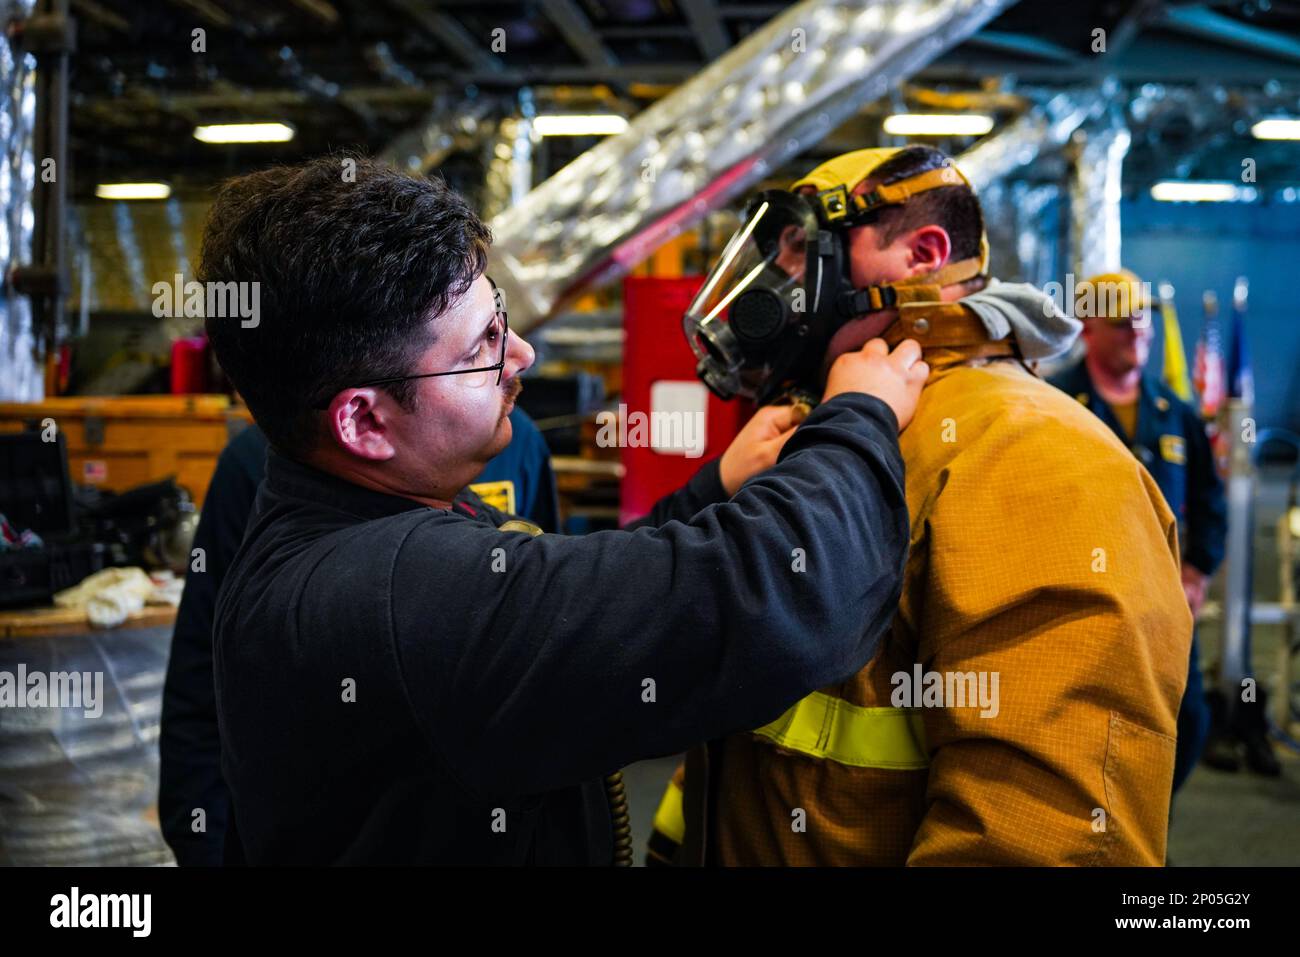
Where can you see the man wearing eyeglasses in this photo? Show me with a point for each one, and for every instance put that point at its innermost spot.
(193, 802)
(405, 674)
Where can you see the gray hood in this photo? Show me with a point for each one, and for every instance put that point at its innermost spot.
(1018, 308)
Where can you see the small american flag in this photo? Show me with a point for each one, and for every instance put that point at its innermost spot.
(1208, 375)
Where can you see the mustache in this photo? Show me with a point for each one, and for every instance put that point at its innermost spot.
(513, 388)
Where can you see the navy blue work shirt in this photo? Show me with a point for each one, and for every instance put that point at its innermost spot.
(519, 478)
(403, 684)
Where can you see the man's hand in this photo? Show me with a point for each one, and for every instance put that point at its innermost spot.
(894, 377)
(1195, 584)
(757, 445)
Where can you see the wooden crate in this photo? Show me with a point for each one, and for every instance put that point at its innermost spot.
(118, 442)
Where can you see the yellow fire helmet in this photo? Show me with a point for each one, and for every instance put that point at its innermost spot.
(835, 182)
(1114, 296)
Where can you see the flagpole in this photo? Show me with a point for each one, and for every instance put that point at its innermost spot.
(1238, 434)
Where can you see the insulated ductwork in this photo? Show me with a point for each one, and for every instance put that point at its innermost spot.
(509, 166)
(1095, 194)
(1018, 219)
(1015, 213)
(1040, 129)
(449, 126)
(20, 370)
(782, 89)
(120, 249)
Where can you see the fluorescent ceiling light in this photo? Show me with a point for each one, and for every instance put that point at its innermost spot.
(938, 124)
(1278, 128)
(133, 190)
(1189, 191)
(578, 124)
(244, 133)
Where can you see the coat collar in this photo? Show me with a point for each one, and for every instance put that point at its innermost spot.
(292, 479)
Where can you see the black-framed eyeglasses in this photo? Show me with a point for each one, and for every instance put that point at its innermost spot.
(498, 367)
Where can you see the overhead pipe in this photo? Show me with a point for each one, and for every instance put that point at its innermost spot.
(34, 113)
(510, 159)
(1041, 129)
(1095, 194)
(1014, 211)
(449, 126)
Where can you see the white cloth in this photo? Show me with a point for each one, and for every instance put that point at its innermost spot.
(113, 595)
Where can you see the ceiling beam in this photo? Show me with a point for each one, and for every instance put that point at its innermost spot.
(578, 32)
(322, 10)
(667, 72)
(754, 11)
(1023, 45)
(208, 11)
(705, 23)
(92, 10)
(1140, 15)
(972, 66)
(448, 31)
(1207, 25)
(666, 31)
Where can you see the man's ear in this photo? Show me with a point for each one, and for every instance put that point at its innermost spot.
(358, 423)
(931, 248)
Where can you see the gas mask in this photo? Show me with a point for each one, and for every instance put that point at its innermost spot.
(761, 323)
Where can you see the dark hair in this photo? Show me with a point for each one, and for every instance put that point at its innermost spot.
(352, 269)
(955, 208)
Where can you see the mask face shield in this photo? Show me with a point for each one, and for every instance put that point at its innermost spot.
(763, 291)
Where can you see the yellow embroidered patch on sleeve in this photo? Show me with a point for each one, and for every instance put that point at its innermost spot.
(1173, 449)
(500, 495)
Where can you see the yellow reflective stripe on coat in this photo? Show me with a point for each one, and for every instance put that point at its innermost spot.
(826, 727)
(670, 819)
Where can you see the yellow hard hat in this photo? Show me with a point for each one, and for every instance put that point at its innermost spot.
(1114, 296)
(847, 169)
(836, 179)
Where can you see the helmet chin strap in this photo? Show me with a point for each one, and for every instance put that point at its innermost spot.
(926, 288)
(942, 328)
